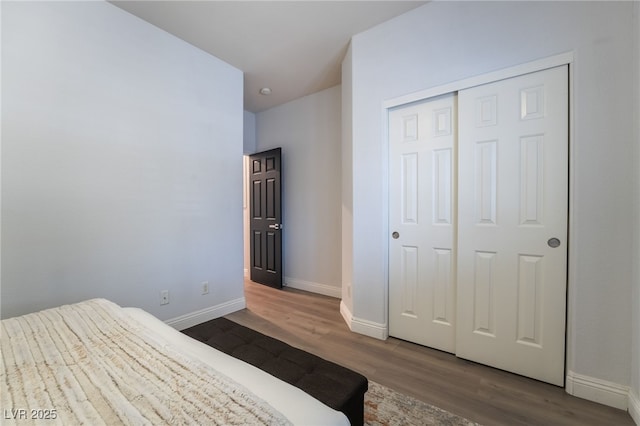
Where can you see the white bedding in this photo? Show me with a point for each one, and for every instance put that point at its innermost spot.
(296, 405)
(96, 363)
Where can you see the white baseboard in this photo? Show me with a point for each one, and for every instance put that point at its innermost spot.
(597, 390)
(369, 328)
(634, 407)
(324, 289)
(194, 318)
(346, 314)
(362, 326)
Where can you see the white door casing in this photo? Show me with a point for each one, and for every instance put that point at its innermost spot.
(422, 213)
(513, 203)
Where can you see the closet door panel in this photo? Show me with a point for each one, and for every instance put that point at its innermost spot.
(512, 224)
(422, 222)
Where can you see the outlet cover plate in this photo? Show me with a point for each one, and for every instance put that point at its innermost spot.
(164, 297)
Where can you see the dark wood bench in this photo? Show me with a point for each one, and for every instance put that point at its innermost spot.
(336, 386)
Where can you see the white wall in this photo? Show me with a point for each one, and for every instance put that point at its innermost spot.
(444, 42)
(121, 163)
(309, 132)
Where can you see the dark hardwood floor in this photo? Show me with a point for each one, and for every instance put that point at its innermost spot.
(488, 396)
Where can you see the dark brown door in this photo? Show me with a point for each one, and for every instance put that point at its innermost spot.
(266, 218)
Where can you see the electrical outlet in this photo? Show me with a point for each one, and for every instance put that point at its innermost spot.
(205, 287)
(164, 297)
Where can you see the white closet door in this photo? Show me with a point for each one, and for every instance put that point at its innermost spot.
(422, 223)
(512, 224)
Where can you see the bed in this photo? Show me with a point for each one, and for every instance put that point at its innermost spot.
(97, 363)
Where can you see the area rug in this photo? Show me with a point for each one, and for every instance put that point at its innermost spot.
(386, 407)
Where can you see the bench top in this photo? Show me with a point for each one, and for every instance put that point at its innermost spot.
(338, 387)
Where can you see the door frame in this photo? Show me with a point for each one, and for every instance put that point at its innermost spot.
(423, 95)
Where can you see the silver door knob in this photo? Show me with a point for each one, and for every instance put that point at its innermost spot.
(395, 235)
(276, 226)
(553, 242)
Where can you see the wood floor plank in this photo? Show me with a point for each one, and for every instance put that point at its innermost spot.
(483, 394)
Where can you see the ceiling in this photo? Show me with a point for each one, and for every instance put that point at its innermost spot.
(293, 47)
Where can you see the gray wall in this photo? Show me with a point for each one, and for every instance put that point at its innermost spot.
(121, 158)
(443, 42)
(635, 323)
(249, 135)
(249, 148)
(347, 183)
(309, 132)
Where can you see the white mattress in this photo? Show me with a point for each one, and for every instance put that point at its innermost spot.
(299, 407)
